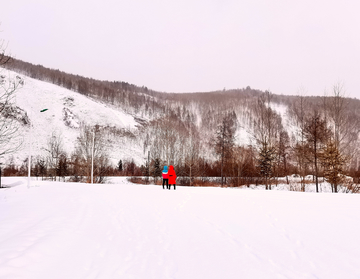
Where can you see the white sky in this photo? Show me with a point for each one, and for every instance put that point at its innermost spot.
(193, 45)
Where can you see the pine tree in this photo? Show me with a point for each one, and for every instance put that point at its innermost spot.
(156, 169)
(120, 166)
(42, 167)
(62, 167)
(224, 142)
(333, 163)
(267, 156)
(316, 134)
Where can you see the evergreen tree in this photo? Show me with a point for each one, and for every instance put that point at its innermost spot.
(224, 142)
(76, 168)
(130, 168)
(120, 166)
(62, 168)
(333, 163)
(40, 167)
(316, 134)
(156, 169)
(267, 156)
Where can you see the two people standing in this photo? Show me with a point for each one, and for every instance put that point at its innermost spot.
(169, 177)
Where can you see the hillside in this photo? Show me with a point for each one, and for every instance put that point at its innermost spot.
(73, 101)
(67, 112)
(181, 129)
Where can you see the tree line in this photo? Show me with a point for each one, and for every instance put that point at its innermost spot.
(324, 144)
(198, 133)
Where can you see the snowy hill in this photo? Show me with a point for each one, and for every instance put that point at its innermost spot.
(74, 230)
(66, 112)
(171, 128)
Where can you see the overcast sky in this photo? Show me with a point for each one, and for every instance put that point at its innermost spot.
(193, 45)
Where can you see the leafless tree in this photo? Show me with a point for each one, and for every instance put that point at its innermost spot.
(282, 150)
(165, 141)
(192, 168)
(345, 127)
(91, 147)
(298, 110)
(54, 150)
(241, 160)
(10, 124)
(4, 58)
(267, 125)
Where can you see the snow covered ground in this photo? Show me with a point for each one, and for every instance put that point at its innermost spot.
(123, 230)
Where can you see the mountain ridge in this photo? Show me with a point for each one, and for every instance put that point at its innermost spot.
(137, 119)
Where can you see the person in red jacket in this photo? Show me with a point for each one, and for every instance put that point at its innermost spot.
(172, 177)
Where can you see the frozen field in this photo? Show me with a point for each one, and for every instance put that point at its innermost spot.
(68, 230)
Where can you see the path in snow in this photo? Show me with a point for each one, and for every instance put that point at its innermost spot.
(68, 230)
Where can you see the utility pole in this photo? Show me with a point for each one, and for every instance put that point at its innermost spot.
(92, 157)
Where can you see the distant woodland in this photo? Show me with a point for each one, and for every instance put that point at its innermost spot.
(241, 136)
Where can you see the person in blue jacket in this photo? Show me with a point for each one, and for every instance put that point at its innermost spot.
(165, 177)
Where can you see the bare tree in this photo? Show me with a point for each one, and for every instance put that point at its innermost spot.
(344, 125)
(91, 150)
(242, 161)
(165, 141)
(4, 58)
(266, 128)
(337, 113)
(298, 109)
(10, 124)
(192, 155)
(54, 150)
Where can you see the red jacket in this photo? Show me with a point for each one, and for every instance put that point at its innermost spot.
(172, 175)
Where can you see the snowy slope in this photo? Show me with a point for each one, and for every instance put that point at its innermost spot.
(287, 123)
(67, 230)
(66, 111)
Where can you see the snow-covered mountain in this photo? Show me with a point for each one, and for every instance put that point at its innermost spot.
(136, 120)
(66, 112)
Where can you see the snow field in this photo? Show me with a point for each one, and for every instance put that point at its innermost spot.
(123, 230)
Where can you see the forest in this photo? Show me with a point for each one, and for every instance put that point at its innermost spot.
(227, 137)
